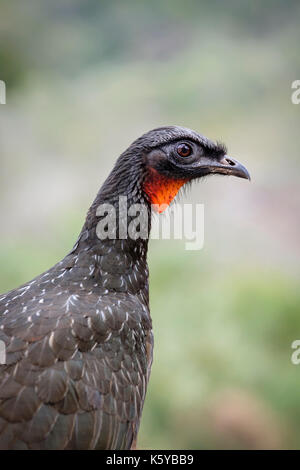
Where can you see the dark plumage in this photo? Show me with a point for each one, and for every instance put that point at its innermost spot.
(79, 337)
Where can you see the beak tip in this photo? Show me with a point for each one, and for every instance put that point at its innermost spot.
(238, 168)
(246, 175)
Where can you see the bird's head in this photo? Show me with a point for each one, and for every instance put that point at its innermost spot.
(174, 156)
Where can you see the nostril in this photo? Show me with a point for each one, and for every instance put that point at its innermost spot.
(230, 162)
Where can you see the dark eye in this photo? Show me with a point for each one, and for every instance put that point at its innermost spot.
(184, 150)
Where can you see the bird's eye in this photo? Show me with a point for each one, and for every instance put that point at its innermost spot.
(184, 150)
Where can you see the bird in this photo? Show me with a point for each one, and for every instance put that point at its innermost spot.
(78, 338)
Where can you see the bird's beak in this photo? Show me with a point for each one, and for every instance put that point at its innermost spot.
(228, 166)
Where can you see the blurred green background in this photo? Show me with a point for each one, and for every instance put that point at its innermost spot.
(86, 78)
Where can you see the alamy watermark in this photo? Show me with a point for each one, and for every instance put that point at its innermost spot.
(295, 97)
(295, 357)
(2, 92)
(122, 221)
(2, 352)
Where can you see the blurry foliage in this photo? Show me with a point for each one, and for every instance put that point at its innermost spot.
(62, 37)
(84, 78)
(220, 331)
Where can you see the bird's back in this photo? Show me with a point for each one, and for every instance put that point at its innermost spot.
(78, 356)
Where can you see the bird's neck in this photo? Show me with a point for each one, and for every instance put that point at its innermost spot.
(117, 262)
(120, 217)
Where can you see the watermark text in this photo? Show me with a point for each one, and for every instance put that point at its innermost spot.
(2, 92)
(2, 352)
(295, 97)
(122, 221)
